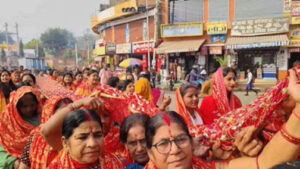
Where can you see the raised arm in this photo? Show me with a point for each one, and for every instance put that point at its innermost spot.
(281, 148)
(52, 130)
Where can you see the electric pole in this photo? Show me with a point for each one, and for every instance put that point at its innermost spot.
(158, 21)
(6, 36)
(18, 40)
(148, 35)
(76, 55)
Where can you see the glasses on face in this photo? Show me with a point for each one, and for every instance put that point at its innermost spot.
(134, 144)
(164, 146)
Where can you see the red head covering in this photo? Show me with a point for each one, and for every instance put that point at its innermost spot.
(41, 153)
(181, 109)
(220, 93)
(217, 104)
(15, 132)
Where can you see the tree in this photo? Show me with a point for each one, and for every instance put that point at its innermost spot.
(3, 39)
(222, 61)
(37, 46)
(56, 40)
(68, 53)
(3, 54)
(21, 49)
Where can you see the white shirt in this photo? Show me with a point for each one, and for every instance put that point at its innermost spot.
(198, 120)
(249, 77)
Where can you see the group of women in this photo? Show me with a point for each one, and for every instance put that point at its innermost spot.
(83, 131)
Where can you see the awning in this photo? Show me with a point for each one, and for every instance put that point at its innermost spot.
(257, 42)
(179, 46)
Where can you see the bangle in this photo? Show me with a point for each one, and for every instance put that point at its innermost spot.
(257, 164)
(296, 115)
(288, 137)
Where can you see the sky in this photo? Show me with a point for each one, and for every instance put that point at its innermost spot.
(36, 16)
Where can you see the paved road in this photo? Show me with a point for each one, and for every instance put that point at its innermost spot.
(244, 99)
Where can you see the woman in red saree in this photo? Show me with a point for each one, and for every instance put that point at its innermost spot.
(222, 99)
(67, 81)
(89, 86)
(78, 78)
(17, 121)
(72, 125)
(16, 78)
(38, 154)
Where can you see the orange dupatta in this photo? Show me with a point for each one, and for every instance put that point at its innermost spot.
(85, 89)
(15, 132)
(143, 88)
(41, 153)
(107, 161)
(2, 102)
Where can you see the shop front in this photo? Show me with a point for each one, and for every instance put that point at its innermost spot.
(180, 49)
(140, 51)
(217, 34)
(123, 51)
(111, 54)
(294, 46)
(261, 46)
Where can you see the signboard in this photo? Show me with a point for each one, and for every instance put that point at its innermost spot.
(215, 50)
(99, 51)
(260, 27)
(216, 28)
(287, 8)
(127, 33)
(217, 38)
(124, 48)
(294, 43)
(295, 20)
(110, 48)
(295, 8)
(295, 33)
(142, 47)
(182, 30)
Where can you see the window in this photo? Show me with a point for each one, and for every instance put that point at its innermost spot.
(218, 10)
(186, 11)
(258, 9)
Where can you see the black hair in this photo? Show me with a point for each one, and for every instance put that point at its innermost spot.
(68, 73)
(88, 69)
(52, 71)
(78, 73)
(75, 118)
(158, 120)
(20, 104)
(113, 81)
(92, 71)
(227, 70)
(6, 90)
(131, 121)
(288, 165)
(61, 102)
(186, 86)
(125, 84)
(31, 76)
(23, 84)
